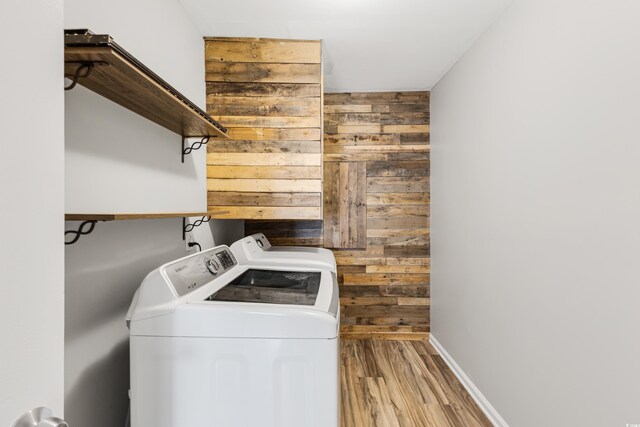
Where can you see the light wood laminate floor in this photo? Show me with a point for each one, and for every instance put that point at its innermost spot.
(402, 384)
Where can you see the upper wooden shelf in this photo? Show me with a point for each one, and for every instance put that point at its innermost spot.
(104, 67)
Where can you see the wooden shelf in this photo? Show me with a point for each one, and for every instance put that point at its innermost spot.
(118, 76)
(129, 216)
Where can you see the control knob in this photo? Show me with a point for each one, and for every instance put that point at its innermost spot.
(212, 266)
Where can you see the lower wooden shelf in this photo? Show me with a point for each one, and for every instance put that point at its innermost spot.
(129, 216)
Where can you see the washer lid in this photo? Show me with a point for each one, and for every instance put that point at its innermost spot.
(271, 287)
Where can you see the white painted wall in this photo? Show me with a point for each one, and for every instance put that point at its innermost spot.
(31, 218)
(535, 207)
(117, 161)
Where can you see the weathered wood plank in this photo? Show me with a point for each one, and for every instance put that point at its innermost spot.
(332, 109)
(265, 185)
(277, 227)
(360, 129)
(399, 222)
(355, 157)
(405, 128)
(398, 269)
(226, 146)
(243, 72)
(398, 185)
(385, 279)
(263, 159)
(375, 211)
(344, 207)
(398, 240)
(265, 172)
(216, 90)
(272, 134)
(266, 212)
(399, 168)
(361, 139)
(397, 198)
(407, 251)
(372, 98)
(268, 121)
(230, 198)
(263, 106)
(345, 149)
(351, 119)
(263, 50)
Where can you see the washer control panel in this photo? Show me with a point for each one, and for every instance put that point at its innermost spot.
(190, 273)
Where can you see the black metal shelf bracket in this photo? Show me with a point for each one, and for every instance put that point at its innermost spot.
(195, 146)
(187, 228)
(80, 231)
(83, 71)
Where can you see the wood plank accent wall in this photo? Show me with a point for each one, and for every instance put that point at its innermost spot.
(384, 283)
(268, 92)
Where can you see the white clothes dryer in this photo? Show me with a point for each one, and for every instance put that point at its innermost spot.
(257, 249)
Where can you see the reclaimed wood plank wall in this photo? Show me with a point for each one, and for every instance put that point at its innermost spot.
(384, 278)
(268, 92)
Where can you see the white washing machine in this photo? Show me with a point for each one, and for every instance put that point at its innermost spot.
(217, 342)
(256, 249)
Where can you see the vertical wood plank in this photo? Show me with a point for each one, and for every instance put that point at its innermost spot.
(345, 209)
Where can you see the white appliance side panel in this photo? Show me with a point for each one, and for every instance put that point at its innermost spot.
(234, 382)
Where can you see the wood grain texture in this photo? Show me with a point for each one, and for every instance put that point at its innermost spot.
(345, 212)
(289, 90)
(401, 384)
(272, 199)
(269, 92)
(265, 185)
(263, 159)
(265, 212)
(257, 50)
(385, 286)
(245, 72)
(266, 172)
(384, 281)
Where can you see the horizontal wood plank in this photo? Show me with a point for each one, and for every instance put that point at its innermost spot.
(269, 122)
(266, 212)
(242, 72)
(265, 185)
(251, 198)
(272, 134)
(262, 50)
(217, 90)
(263, 159)
(265, 172)
(226, 146)
(263, 106)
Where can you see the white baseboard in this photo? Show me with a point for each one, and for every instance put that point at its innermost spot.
(475, 393)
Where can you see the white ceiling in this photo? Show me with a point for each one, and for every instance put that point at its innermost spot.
(369, 45)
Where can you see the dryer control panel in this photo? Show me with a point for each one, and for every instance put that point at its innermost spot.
(190, 273)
